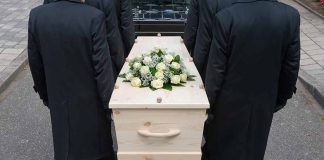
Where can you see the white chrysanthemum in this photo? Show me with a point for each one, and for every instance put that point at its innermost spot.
(175, 79)
(159, 75)
(137, 65)
(175, 65)
(168, 58)
(184, 77)
(161, 66)
(144, 70)
(157, 84)
(136, 82)
(129, 76)
(147, 60)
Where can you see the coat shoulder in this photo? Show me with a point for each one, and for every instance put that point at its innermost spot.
(36, 10)
(289, 9)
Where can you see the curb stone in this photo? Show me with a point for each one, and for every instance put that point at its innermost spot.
(313, 86)
(12, 70)
(310, 9)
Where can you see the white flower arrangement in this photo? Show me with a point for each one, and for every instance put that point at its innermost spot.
(157, 69)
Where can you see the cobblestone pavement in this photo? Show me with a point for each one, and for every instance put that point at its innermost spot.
(13, 29)
(312, 42)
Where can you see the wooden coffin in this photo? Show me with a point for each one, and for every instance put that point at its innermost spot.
(159, 125)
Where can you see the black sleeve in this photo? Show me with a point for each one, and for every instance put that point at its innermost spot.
(204, 37)
(114, 39)
(127, 25)
(191, 28)
(36, 64)
(102, 60)
(290, 65)
(217, 63)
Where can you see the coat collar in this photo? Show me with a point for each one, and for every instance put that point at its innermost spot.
(247, 1)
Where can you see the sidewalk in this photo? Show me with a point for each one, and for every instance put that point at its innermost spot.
(13, 37)
(312, 53)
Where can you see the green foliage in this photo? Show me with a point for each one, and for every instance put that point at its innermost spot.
(167, 86)
(191, 78)
(177, 59)
(178, 85)
(153, 71)
(122, 75)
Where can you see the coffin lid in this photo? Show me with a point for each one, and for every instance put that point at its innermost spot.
(192, 96)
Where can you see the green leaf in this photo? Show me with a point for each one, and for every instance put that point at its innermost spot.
(152, 88)
(178, 85)
(191, 78)
(177, 59)
(122, 75)
(153, 71)
(126, 81)
(160, 53)
(167, 86)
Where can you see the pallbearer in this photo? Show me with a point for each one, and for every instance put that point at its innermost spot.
(125, 23)
(198, 31)
(198, 34)
(114, 38)
(252, 72)
(70, 63)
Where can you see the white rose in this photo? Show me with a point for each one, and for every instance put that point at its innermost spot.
(161, 66)
(129, 76)
(168, 58)
(136, 82)
(139, 57)
(157, 84)
(175, 79)
(147, 60)
(159, 75)
(137, 65)
(145, 70)
(183, 77)
(175, 65)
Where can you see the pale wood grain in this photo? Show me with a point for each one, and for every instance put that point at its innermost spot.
(190, 123)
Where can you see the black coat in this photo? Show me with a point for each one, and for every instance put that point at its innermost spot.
(252, 68)
(114, 37)
(125, 23)
(71, 66)
(190, 32)
(198, 31)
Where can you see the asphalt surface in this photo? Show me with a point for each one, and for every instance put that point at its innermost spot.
(25, 130)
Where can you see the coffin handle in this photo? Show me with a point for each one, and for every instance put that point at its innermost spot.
(147, 133)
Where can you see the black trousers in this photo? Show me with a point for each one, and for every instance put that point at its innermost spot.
(207, 125)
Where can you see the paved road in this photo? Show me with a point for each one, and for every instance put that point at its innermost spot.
(25, 133)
